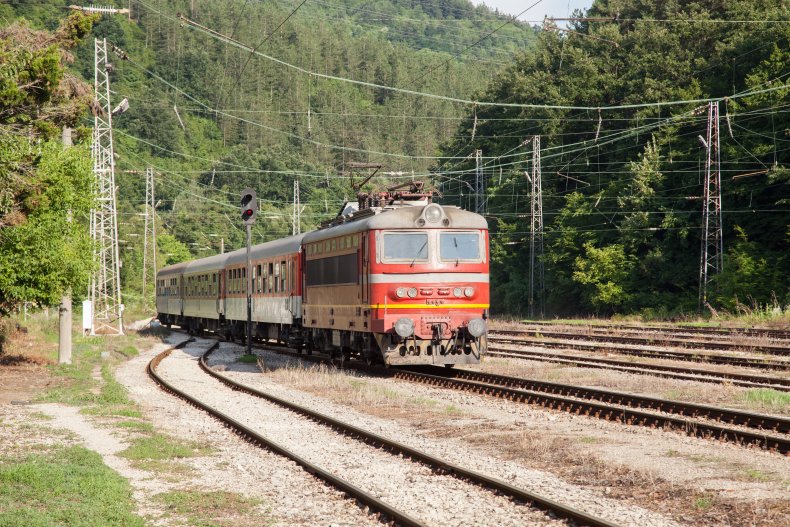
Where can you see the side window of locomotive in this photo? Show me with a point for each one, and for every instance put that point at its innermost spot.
(459, 246)
(406, 246)
(271, 278)
(283, 277)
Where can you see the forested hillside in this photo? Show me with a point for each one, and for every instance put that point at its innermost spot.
(623, 186)
(224, 95)
(211, 117)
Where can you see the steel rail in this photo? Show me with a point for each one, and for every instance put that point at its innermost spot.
(745, 362)
(567, 404)
(771, 333)
(246, 433)
(437, 464)
(657, 370)
(606, 411)
(767, 349)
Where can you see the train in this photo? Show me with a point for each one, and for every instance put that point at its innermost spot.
(395, 278)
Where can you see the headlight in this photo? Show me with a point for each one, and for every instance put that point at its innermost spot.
(412, 292)
(433, 213)
(401, 292)
(476, 327)
(458, 292)
(468, 292)
(405, 327)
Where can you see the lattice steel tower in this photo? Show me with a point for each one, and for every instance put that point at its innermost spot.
(105, 291)
(296, 216)
(536, 272)
(149, 233)
(480, 185)
(712, 244)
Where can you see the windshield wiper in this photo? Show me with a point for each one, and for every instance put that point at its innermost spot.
(418, 253)
(455, 242)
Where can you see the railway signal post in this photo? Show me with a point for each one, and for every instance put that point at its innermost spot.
(249, 211)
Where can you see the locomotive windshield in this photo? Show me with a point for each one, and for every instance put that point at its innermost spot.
(454, 246)
(411, 246)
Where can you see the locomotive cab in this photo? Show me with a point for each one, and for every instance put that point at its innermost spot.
(429, 287)
(400, 284)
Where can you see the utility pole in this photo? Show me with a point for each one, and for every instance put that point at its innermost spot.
(296, 218)
(149, 232)
(105, 292)
(480, 191)
(712, 242)
(64, 328)
(536, 271)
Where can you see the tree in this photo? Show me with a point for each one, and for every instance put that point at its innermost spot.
(45, 194)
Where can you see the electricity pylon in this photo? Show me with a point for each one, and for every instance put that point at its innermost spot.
(480, 189)
(536, 272)
(296, 216)
(105, 294)
(149, 233)
(712, 242)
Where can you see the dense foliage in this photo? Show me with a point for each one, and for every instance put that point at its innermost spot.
(212, 118)
(623, 188)
(45, 193)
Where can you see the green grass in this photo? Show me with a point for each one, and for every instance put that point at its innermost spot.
(423, 401)
(162, 447)
(112, 411)
(129, 351)
(248, 359)
(756, 475)
(139, 426)
(68, 486)
(767, 397)
(703, 503)
(215, 509)
(169, 470)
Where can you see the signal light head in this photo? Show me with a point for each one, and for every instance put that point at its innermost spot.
(249, 206)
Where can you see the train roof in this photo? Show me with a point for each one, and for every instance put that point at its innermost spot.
(289, 245)
(405, 217)
(175, 269)
(208, 264)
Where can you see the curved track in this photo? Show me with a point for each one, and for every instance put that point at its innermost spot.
(391, 514)
(656, 370)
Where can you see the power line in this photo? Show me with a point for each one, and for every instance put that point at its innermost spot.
(470, 46)
(228, 40)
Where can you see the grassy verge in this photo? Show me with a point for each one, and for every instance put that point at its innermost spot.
(68, 486)
(215, 509)
(345, 388)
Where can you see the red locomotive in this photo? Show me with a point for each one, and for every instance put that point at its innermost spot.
(400, 281)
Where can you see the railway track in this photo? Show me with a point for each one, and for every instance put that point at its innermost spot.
(688, 356)
(775, 334)
(615, 406)
(603, 404)
(766, 349)
(387, 512)
(656, 370)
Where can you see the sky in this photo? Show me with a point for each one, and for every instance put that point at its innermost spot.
(551, 8)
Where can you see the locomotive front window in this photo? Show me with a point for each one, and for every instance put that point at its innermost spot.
(454, 246)
(411, 246)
